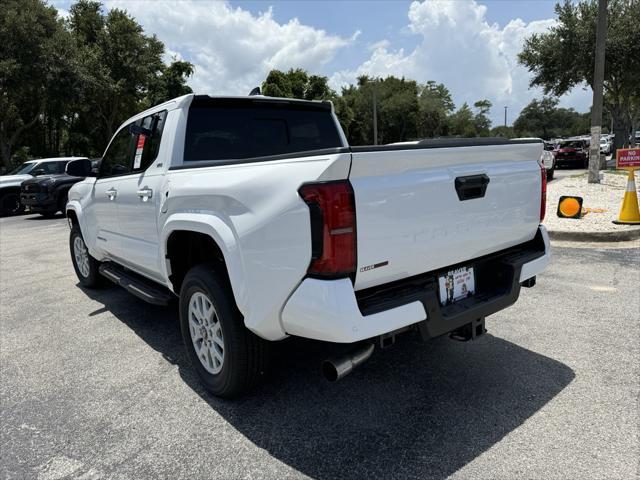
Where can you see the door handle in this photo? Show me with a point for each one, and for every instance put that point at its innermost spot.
(145, 194)
(472, 186)
(112, 193)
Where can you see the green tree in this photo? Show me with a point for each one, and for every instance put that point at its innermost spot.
(36, 69)
(297, 84)
(171, 82)
(435, 106)
(397, 110)
(65, 86)
(481, 121)
(463, 122)
(544, 119)
(503, 131)
(563, 57)
(535, 119)
(122, 73)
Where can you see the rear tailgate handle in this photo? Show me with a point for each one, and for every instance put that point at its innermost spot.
(471, 186)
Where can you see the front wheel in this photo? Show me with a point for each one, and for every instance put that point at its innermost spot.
(86, 267)
(228, 358)
(10, 204)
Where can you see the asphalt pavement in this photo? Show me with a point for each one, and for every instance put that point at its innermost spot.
(95, 384)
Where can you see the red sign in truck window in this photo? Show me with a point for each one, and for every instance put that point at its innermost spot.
(628, 158)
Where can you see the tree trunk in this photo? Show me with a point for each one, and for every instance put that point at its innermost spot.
(620, 129)
(5, 155)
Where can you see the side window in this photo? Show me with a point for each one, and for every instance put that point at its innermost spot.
(52, 168)
(60, 166)
(147, 146)
(117, 159)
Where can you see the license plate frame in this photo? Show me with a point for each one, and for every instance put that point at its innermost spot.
(456, 284)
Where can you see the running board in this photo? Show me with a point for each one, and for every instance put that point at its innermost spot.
(137, 285)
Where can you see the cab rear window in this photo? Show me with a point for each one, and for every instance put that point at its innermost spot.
(220, 131)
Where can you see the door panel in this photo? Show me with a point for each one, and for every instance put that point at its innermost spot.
(139, 197)
(101, 215)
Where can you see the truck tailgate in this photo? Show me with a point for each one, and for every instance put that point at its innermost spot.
(411, 219)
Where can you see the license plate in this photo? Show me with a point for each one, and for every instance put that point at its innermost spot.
(456, 285)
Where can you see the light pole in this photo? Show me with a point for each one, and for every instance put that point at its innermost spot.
(505, 116)
(598, 80)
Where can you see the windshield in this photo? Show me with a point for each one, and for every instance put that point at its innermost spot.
(572, 145)
(23, 169)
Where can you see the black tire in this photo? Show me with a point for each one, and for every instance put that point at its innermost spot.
(92, 279)
(10, 203)
(245, 357)
(550, 173)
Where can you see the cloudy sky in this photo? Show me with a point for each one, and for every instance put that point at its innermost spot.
(470, 46)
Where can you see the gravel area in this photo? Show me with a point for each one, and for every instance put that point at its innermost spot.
(606, 195)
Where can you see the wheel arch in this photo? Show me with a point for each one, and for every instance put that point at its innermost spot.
(190, 239)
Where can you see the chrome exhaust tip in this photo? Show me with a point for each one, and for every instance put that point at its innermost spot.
(339, 367)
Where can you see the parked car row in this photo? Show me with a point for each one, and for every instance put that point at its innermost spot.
(40, 185)
(572, 153)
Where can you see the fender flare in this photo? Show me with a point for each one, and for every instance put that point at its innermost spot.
(223, 235)
(75, 207)
(61, 190)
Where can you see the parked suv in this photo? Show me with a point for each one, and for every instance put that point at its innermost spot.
(10, 183)
(47, 194)
(574, 153)
(259, 217)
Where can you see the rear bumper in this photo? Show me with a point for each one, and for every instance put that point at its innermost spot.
(330, 310)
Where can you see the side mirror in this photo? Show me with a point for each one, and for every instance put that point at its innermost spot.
(38, 172)
(80, 168)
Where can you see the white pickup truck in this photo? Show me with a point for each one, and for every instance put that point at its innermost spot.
(256, 213)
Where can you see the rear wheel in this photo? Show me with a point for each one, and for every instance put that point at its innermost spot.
(86, 267)
(10, 204)
(228, 358)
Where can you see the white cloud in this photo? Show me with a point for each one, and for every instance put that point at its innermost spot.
(459, 48)
(232, 49)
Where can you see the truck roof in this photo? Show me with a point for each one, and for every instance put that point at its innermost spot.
(226, 100)
(54, 159)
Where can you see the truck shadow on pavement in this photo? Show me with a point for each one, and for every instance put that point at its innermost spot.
(414, 410)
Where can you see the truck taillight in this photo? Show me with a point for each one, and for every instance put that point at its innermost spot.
(333, 228)
(543, 196)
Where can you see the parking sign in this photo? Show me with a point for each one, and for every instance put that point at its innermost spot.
(628, 158)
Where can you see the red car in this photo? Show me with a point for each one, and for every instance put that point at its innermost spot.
(572, 153)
